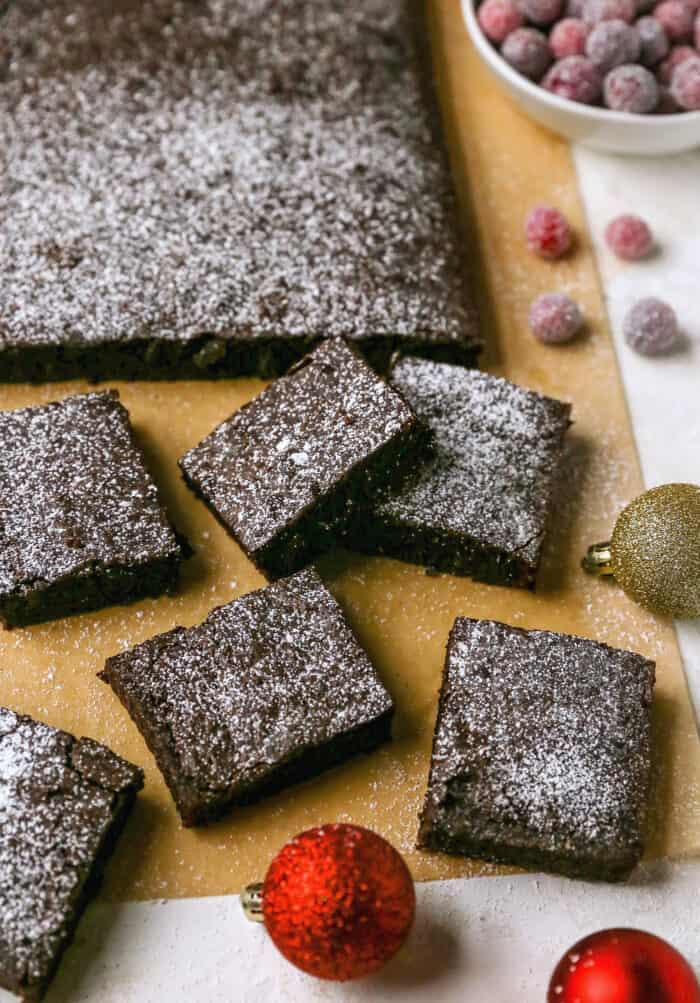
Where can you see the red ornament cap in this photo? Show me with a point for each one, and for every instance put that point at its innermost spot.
(623, 966)
(338, 901)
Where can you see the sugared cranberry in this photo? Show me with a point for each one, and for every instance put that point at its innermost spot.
(651, 327)
(527, 50)
(542, 11)
(629, 237)
(676, 18)
(632, 89)
(498, 18)
(547, 232)
(653, 41)
(568, 38)
(595, 11)
(612, 43)
(574, 78)
(555, 318)
(685, 85)
(678, 55)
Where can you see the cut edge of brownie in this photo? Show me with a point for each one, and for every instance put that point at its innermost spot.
(124, 799)
(321, 525)
(97, 585)
(301, 765)
(574, 866)
(207, 357)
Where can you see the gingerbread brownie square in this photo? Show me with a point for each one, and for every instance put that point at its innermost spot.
(81, 523)
(542, 752)
(286, 472)
(63, 803)
(270, 690)
(208, 189)
(480, 505)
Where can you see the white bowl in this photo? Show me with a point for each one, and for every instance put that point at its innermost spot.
(613, 131)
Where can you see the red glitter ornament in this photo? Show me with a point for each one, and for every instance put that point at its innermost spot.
(623, 966)
(338, 901)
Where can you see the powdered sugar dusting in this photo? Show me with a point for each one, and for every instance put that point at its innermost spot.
(246, 170)
(261, 680)
(497, 453)
(542, 745)
(291, 447)
(58, 798)
(74, 493)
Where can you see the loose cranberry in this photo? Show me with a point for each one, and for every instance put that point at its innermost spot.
(612, 43)
(547, 232)
(498, 18)
(568, 38)
(651, 327)
(685, 85)
(574, 78)
(527, 50)
(629, 237)
(632, 89)
(555, 318)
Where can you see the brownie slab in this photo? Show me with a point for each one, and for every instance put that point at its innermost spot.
(207, 189)
(480, 505)
(542, 752)
(81, 524)
(285, 473)
(270, 690)
(63, 802)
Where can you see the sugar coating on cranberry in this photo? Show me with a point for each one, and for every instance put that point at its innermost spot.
(574, 78)
(568, 38)
(678, 55)
(542, 11)
(498, 18)
(653, 41)
(629, 237)
(547, 232)
(595, 11)
(555, 318)
(676, 18)
(650, 326)
(612, 43)
(527, 50)
(632, 89)
(685, 85)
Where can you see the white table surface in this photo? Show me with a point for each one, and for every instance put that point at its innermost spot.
(487, 940)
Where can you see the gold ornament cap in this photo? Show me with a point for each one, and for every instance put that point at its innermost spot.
(654, 552)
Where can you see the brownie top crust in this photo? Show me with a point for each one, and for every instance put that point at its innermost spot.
(262, 679)
(542, 743)
(497, 449)
(269, 463)
(247, 169)
(74, 492)
(58, 799)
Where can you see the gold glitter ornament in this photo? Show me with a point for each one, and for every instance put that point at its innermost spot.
(654, 552)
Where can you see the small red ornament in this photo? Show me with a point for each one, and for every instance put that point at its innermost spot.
(623, 966)
(337, 901)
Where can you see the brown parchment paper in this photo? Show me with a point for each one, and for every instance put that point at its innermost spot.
(503, 164)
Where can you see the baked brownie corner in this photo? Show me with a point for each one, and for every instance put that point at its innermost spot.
(542, 752)
(82, 525)
(63, 803)
(286, 473)
(271, 689)
(480, 505)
